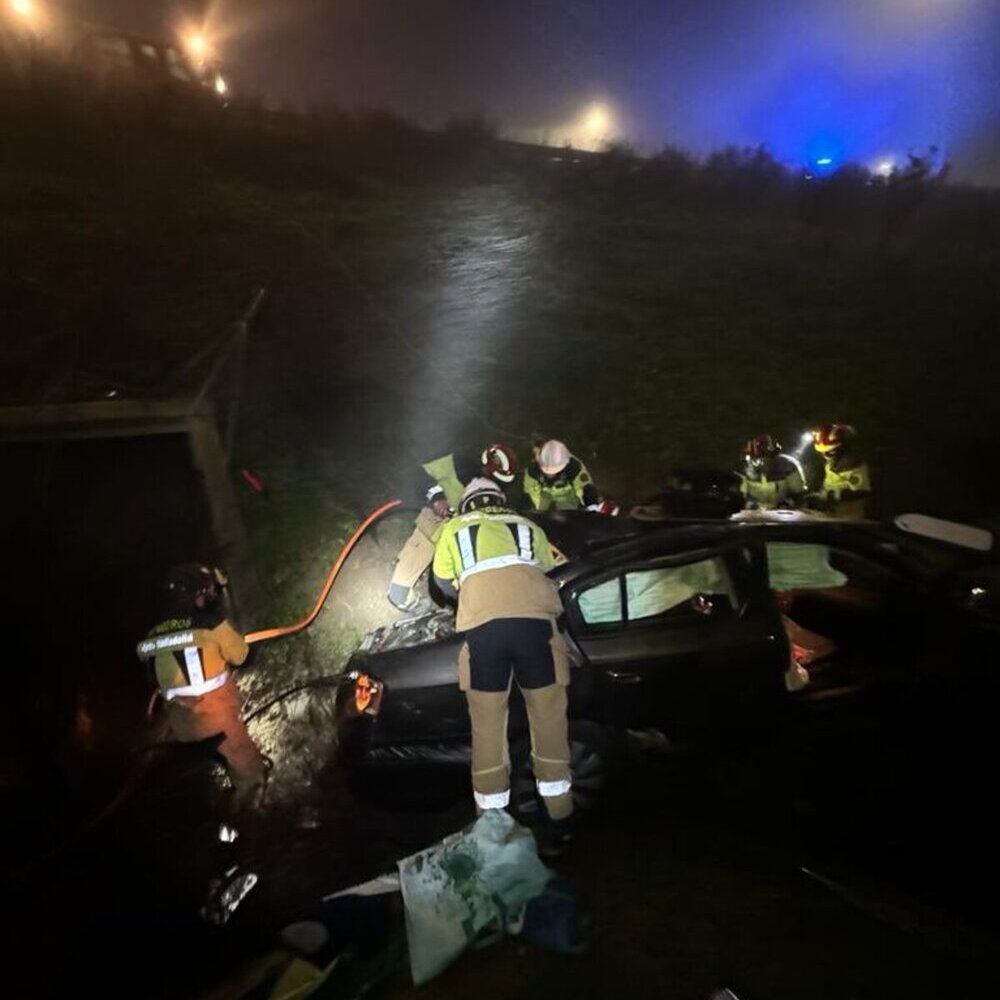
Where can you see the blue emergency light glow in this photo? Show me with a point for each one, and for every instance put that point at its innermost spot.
(824, 161)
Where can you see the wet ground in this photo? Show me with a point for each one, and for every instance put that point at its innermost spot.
(685, 905)
(688, 891)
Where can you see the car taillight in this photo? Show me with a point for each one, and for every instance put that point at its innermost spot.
(367, 694)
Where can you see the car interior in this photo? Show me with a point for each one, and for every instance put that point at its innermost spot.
(644, 595)
(845, 610)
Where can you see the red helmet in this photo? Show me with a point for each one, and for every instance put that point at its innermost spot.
(830, 437)
(500, 463)
(192, 586)
(761, 447)
(610, 508)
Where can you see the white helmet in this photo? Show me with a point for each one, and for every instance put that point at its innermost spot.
(553, 457)
(481, 492)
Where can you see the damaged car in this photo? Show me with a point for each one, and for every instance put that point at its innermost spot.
(684, 632)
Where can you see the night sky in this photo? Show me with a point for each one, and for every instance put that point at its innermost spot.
(861, 80)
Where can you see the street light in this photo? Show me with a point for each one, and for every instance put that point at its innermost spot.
(197, 46)
(597, 121)
(24, 9)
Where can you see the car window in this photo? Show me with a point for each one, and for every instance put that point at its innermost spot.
(795, 566)
(602, 604)
(651, 593)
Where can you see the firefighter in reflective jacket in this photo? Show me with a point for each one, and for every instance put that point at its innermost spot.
(770, 479)
(448, 476)
(558, 480)
(508, 608)
(191, 652)
(847, 482)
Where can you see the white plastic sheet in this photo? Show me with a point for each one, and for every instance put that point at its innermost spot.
(462, 892)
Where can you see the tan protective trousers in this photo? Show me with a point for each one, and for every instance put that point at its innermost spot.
(415, 556)
(198, 718)
(547, 722)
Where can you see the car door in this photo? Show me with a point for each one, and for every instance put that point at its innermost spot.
(858, 736)
(685, 643)
(869, 619)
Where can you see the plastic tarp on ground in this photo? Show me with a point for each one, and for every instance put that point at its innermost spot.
(462, 892)
(793, 566)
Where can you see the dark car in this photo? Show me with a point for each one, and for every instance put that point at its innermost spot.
(681, 632)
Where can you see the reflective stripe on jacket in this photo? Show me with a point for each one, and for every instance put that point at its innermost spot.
(568, 490)
(489, 539)
(189, 661)
(838, 482)
(499, 560)
(777, 482)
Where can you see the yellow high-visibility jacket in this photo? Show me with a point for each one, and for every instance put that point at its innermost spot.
(498, 561)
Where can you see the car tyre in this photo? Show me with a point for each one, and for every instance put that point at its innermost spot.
(593, 757)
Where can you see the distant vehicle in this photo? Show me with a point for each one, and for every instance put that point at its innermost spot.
(693, 493)
(121, 58)
(116, 58)
(678, 629)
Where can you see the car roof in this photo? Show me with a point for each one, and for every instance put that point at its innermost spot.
(590, 543)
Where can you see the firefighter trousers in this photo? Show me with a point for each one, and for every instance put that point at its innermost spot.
(531, 652)
(218, 711)
(414, 558)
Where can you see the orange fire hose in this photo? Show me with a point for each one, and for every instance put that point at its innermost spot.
(269, 633)
(275, 633)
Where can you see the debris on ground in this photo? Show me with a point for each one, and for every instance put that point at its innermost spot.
(225, 895)
(465, 891)
(377, 886)
(557, 920)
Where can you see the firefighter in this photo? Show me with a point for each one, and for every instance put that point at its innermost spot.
(448, 476)
(496, 561)
(191, 652)
(847, 485)
(770, 479)
(557, 480)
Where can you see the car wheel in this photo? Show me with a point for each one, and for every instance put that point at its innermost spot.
(591, 756)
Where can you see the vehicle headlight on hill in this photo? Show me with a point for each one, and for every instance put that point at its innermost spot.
(198, 48)
(27, 14)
